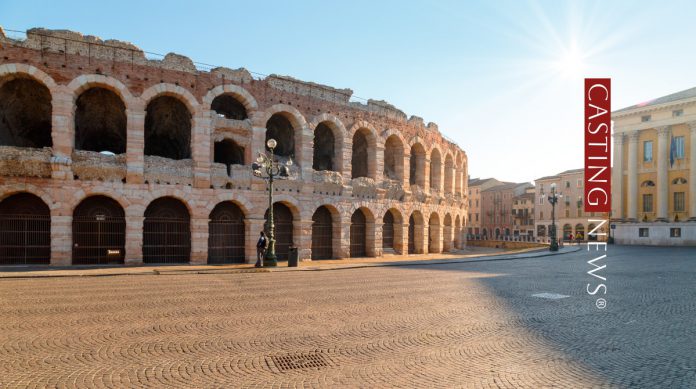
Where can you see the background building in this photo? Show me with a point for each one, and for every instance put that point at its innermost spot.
(476, 185)
(654, 171)
(107, 156)
(523, 214)
(497, 221)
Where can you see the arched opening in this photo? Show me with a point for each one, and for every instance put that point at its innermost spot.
(415, 233)
(324, 148)
(541, 231)
(358, 234)
(507, 232)
(447, 234)
(434, 234)
(322, 234)
(278, 127)
(98, 232)
(394, 158)
(228, 152)
(458, 178)
(25, 230)
(417, 165)
(435, 169)
(229, 107)
(360, 156)
(166, 232)
(282, 227)
(484, 233)
(226, 235)
(25, 114)
(449, 173)
(168, 128)
(567, 231)
(388, 231)
(579, 232)
(497, 233)
(100, 121)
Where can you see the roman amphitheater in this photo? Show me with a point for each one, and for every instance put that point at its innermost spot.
(108, 155)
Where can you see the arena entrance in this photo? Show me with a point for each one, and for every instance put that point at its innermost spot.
(25, 231)
(322, 234)
(388, 231)
(226, 234)
(99, 232)
(166, 232)
(358, 234)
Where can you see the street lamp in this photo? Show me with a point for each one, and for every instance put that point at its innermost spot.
(553, 199)
(268, 168)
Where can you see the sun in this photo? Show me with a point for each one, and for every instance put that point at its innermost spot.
(571, 63)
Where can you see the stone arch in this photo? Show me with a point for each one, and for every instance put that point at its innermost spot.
(449, 173)
(26, 111)
(447, 239)
(229, 107)
(417, 165)
(324, 153)
(25, 230)
(394, 157)
(436, 169)
(85, 82)
(167, 231)
(100, 121)
(98, 231)
(416, 230)
(226, 233)
(338, 132)
(165, 89)
(434, 233)
(358, 233)
(239, 93)
(392, 230)
(364, 164)
(325, 221)
(168, 127)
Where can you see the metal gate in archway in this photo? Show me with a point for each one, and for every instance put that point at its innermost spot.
(226, 234)
(322, 234)
(283, 225)
(388, 231)
(25, 231)
(411, 235)
(99, 232)
(358, 229)
(166, 232)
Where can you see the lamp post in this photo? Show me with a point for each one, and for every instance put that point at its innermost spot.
(268, 168)
(553, 199)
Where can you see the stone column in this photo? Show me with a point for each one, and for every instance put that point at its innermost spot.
(692, 173)
(252, 228)
(617, 177)
(379, 163)
(199, 240)
(662, 185)
(134, 240)
(62, 134)
(404, 238)
(61, 240)
(373, 237)
(200, 148)
(345, 239)
(302, 236)
(135, 143)
(407, 171)
(426, 176)
(339, 251)
(632, 203)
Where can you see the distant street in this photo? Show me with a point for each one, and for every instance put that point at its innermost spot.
(472, 325)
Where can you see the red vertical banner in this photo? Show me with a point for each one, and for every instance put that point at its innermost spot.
(597, 145)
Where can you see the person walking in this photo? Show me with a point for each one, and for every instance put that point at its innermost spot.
(261, 246)
(570, 239)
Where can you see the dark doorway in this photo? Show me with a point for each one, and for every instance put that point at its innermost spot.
(226, 234)
(360, 155)
(166, 232)
(279, 128)
(388, 230)
(324, 148)
(283, 225)
(229, 107)
(411, 235)
(25, 231)
(25, 114)
(229, 153)
(168, 128)
(358, 235)
(322, 234)
(100, 121)
(99, 232)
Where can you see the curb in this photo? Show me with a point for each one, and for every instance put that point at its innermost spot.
(502, 257)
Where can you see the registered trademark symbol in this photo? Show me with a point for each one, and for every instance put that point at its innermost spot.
(601, 303)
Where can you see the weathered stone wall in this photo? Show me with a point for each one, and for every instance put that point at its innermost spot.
(68, 64)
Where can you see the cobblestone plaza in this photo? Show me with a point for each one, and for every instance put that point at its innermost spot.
(455, 325)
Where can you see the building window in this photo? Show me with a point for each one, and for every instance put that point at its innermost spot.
(477, 217)
(645, 118)
(541, 200)
(647, 151)
(567, 184)
(675, 232)
(647, 202)
(643, 232)
(678, 147)
(541, 215)
(567, 213)
(677, 113)
(679, 205)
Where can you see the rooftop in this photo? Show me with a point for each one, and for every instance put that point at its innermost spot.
(682, 95)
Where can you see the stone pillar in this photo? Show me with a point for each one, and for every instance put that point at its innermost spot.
(345, 239)
(62, 134)
(199, 240)
(421, 238)
(692, 173)
(252, 228)
(61, 240)
(304, 156)
(662, 185)
(134, 240)
(339, 249)
(379, 163)
(632, 203)
(302, 237)
(135, 143)
(373, 237)
(200, 148)
(407, 171)
(426, 176)
(617, 178)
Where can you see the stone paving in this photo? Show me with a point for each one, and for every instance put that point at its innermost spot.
(444, 325)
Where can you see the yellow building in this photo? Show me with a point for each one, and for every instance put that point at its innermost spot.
(654, 171)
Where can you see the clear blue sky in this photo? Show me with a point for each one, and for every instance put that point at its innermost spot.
(501, 78)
